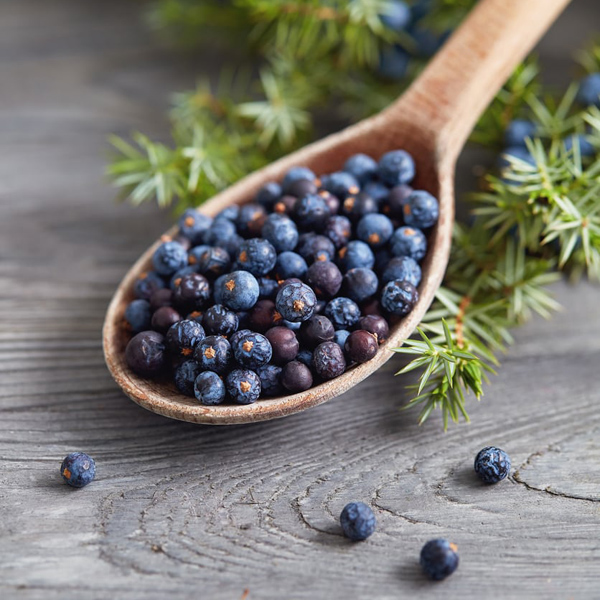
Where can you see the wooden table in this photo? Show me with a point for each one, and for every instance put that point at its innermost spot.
(183, 511)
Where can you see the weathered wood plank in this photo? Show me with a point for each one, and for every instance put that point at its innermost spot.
(186, 511)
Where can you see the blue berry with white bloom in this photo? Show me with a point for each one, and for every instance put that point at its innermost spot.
(281, 231)
(409, 241)
(289, 265)
(193, 224)
(362, 167)
(243, 386)
(209, 388)
(256, 256)
(439, 559)
(356, 254)
(341, 184)
(138, 315)
(399, 297)
(237, 291)
(252, 350)
(358, 521)
(375, 229)
(344, 313)
(421, 210)
(396, 167)
(296, 174)
(168, 258)
(78, 469)
(492, 464)
(402, 268)
(296, 302)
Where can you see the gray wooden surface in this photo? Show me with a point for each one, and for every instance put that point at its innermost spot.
(245, 512)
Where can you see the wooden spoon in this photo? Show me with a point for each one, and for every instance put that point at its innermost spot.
(431, 121)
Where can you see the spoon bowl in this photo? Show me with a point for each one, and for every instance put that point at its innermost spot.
(431, 121)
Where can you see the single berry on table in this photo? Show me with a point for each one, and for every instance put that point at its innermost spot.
(439, 559)
(252, 350)
(163, 318)
(270, 380)
(356, 254)
(214, 262)
(360, 284)
(409, 241)
(342, 312)
(185, 376)
(192, 292)
(268, 194)
(281, 232)
(146, 353)
(289, 264)
(399, 297)
(328, 360)
(237, 290)
(357, 521)
(316, 330)
(492, 464)
(284, 343)
(296, 302)
(324, 278)
(361, 346)
(183, 337)
(402, 268)
(218, 320)
(421, 210)
(209, 388)
(78, 469)
(168, 258)
(213, 353)
(362, 167)
(296, 377)
(243, 386)
(396, 167)
(138, 315)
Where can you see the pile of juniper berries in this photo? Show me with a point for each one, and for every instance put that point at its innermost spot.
(293, 289)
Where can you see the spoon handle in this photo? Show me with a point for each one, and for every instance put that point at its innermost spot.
(446, 101)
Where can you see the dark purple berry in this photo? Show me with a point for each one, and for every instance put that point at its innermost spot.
(339, 230)
(376, 325)
(160, 298)
(146, 353)
(270, 380)
(328, 360)
(250, 220)
(356, 207)
(311, 212)
(268, 194)
(361, 346)
(263, 316)
(315, 331)
(284, 344)
(301, 188)
(146, 284)
(191, 293)
(163, 318)
(397, 198)
(296, 377)
(312, 247)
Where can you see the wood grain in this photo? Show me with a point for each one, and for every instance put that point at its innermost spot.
(185, 511)
(432, 120)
